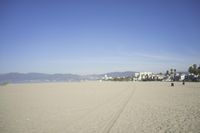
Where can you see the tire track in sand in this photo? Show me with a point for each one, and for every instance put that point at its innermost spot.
(97, 107)
(112, 122)
(103, 118)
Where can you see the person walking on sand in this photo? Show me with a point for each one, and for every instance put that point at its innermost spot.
(183, 82)
(172, 84)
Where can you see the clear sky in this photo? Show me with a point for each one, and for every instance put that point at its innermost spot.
(86, 37)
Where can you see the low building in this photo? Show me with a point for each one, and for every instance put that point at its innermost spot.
(106, 77)
(182, 77)
(145, 76)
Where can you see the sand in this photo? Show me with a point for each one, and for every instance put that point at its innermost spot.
(100, 107)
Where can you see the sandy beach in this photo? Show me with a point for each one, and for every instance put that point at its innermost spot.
(100, 107)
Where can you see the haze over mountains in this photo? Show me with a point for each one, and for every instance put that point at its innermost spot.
(42, 77)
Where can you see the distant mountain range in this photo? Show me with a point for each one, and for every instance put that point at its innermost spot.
(41, 77)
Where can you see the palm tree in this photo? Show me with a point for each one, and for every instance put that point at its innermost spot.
(198, 70)
(194, 66)
(171, 74)
(174, 74)
(167, 73)
(195, 69)
(171, 71)
(190, 70)
(175, 71)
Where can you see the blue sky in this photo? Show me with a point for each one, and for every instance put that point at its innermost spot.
(86, 37)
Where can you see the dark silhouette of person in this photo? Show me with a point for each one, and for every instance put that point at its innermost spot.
(183, 82)
(172, 84)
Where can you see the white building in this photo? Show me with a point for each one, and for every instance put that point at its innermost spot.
(137, 75)
(183, 76)
(106, 77)
(145, 75)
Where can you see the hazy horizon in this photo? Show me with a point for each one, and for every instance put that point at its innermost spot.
(89, 73)
(93, 37)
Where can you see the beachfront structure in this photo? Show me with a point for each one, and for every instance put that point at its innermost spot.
(174, 76)
(148, 76)
(143, 76)
(106, 77)
(137, 75)
(159, 77)
(182, 77)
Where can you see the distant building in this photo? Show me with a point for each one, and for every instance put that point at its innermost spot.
(160, 77)
(137, 75)
(148, 76)
(106, 77)
(143, 76)
(183, 77)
